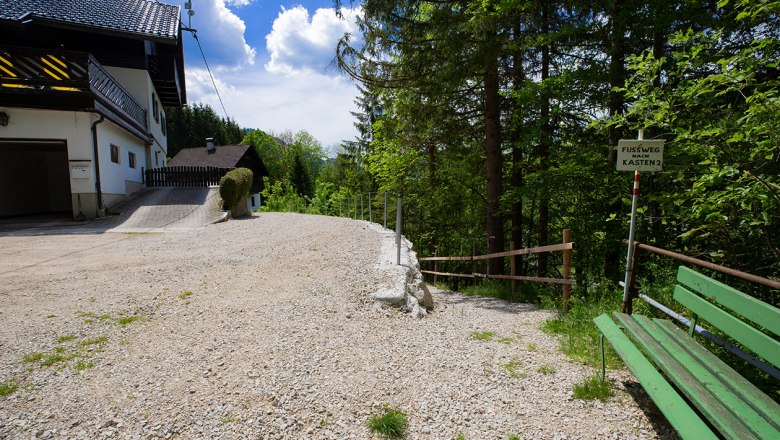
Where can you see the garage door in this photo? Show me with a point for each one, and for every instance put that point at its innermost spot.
(34, 178)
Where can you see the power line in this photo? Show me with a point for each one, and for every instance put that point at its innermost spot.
(195, 35)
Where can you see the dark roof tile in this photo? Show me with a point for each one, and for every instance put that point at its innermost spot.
(141, 17)
(225, 156)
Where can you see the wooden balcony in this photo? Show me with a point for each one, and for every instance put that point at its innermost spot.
(62, 80)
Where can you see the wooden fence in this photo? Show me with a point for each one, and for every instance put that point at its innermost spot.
(566, 247)
(185, 177)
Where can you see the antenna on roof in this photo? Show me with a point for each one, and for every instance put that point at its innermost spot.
(190, 13)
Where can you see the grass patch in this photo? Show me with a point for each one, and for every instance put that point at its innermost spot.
(391, 424)
(577, 334)
(8, 386)
(93, 341)
(66, 338)
(228, 419)
(104, 316)
(52, 359)
(32, 357)
(185, 295)
(126, 320)
(532, 347)
(482, 336)
(50, 316)
(513, 367)
(81, 365)
(507, 340)
(593, 389)
(545, 369)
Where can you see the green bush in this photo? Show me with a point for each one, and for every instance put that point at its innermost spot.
(234, 185)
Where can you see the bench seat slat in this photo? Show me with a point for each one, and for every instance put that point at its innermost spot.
(714, 377)
(751, 338)
(761, 313)
(688, 378)
(672, 405)
(762, 404)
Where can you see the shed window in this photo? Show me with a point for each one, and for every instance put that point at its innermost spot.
(155, 108)
(114, 153)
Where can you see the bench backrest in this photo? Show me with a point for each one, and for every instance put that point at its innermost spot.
(757, 325)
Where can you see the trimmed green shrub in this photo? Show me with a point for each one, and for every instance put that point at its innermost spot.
(234, 185)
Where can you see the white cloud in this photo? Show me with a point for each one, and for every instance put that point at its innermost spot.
(300, 44)
(221, 33)
(311, 101)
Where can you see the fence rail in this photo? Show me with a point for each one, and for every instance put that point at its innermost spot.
(566, 247)
(184, 177)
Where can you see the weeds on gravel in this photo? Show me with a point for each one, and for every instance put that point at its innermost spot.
(126, 320)
(482, 335)
(592, 389)
(93, 341)
(66, 338)
(81, 365)
(228, 419)
(507, 340)
(32, 357)
(391, 424)
(545, 369)
(8, 386)
(185, 295)
(513, 367)
(532, 347)
(52, 359)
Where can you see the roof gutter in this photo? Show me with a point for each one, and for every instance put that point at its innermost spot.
(98, 188)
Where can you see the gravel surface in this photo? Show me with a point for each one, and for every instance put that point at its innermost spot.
(264, 328)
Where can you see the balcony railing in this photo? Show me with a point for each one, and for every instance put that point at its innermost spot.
(58, 72)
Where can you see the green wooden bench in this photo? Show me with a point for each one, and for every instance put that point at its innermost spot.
(699, 394)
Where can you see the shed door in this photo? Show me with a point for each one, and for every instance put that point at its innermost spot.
(34, 178)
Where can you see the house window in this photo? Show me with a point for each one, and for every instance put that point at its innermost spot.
(114, 153)
(155, 108)
(131, 159)
(163, 125)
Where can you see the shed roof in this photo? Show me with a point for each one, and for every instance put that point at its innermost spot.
(225, 156)
(135, 17)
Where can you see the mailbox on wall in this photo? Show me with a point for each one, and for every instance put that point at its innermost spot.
(80, 169)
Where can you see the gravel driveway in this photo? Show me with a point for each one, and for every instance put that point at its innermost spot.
(263, 328)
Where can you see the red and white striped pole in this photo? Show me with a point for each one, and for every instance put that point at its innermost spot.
(632, 228)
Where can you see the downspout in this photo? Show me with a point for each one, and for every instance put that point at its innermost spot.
(97, 164)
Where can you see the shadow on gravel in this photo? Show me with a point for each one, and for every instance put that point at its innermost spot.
(499, 305)
(654, 415)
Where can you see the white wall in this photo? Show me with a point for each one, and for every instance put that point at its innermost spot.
(75, 129)
(114, 176)
(72, 127)
(139, 84)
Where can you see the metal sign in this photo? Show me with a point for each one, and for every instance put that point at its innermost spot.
(640, 155)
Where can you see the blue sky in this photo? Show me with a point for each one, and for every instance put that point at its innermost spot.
(272, 64)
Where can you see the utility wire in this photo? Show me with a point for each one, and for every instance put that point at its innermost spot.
(195, 35)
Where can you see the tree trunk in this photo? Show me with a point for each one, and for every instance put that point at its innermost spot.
(545, 142)
(493, 163)
(518, 81)
(613, 230)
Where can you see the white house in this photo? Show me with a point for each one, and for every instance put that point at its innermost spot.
(82, 90)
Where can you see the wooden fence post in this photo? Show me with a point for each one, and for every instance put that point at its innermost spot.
(566, 268)
(473, 261)
(370, 213)
(513, 269)
(435, 269)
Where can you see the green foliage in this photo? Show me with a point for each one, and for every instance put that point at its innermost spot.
(8, 386)
(578, 335)
(593, 389)
(127, 320)
(482, 335)
(234, 185)
(392, 424)
(189, 126)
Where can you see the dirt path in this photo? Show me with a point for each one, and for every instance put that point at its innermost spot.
(263, 328)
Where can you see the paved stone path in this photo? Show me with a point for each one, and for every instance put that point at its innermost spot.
(167, 209)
